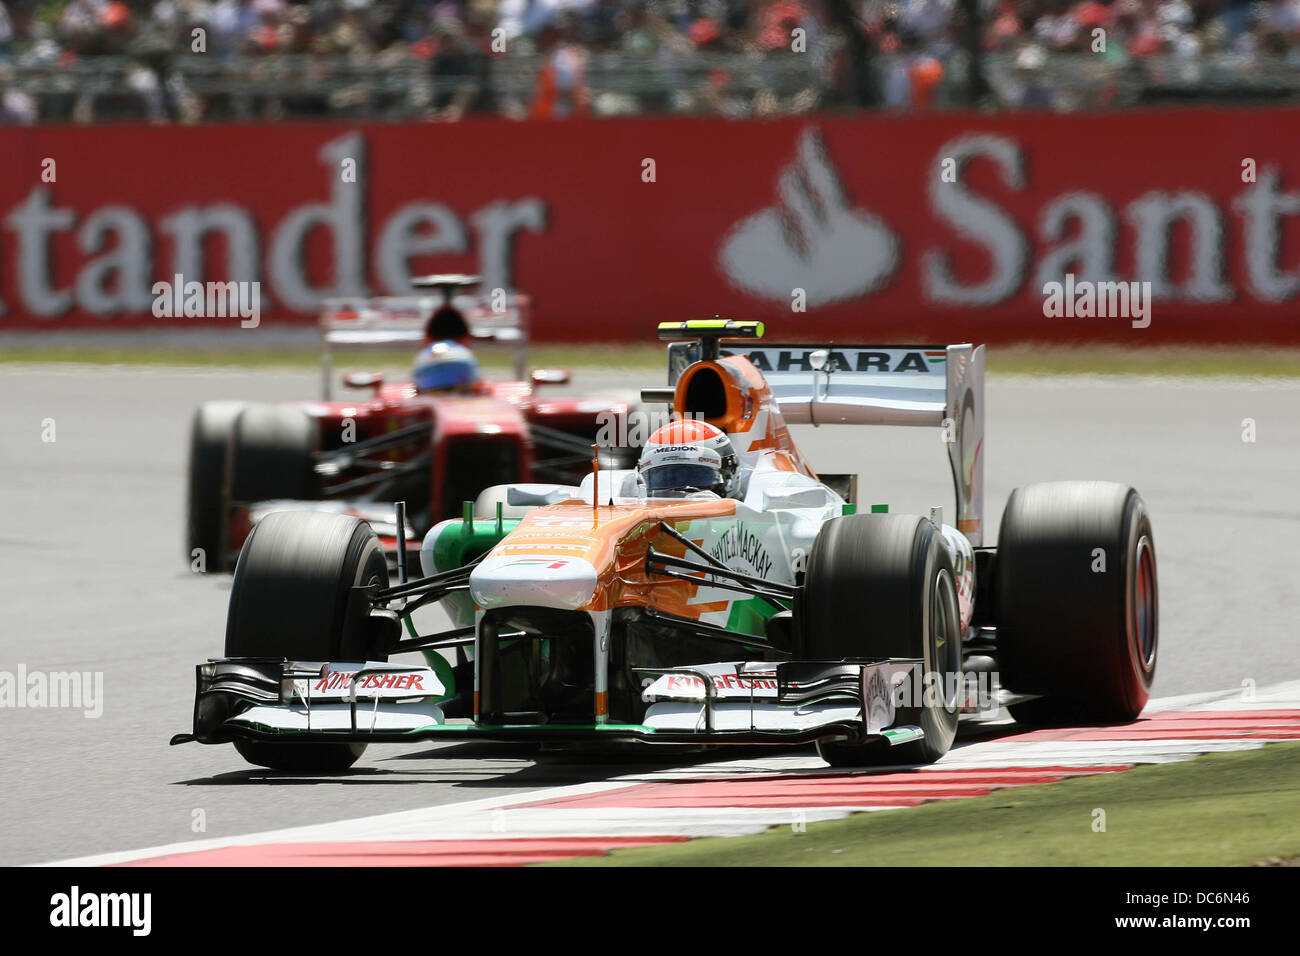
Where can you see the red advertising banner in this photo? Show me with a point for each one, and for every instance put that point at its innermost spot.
(1128, 227)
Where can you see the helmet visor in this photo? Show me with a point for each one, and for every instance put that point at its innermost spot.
(666, 481)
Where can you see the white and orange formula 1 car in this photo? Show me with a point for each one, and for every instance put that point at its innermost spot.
(778, 615)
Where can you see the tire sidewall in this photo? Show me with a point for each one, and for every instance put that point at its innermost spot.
(906, 630)
(1140, 672)
(208, 488)
(937, 716)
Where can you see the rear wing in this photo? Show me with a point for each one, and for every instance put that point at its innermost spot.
(935, 385)
(387, 321)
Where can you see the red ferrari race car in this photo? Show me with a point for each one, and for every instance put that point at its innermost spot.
(433, 442)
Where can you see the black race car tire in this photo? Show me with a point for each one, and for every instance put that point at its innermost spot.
(208, 492)
(1077, 602)
(882, 586)
(272, 450)
(292, 596)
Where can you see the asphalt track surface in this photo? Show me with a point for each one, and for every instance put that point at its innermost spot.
(92, 578)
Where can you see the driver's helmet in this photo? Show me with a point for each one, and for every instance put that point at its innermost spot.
(444, 365)
(686, 457)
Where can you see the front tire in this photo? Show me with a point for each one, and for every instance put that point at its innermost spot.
(208, 495)
(882, 586)
(1077, 603)
(292, 597)
(272, 454)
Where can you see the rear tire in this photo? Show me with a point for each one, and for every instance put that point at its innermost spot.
(208, 493)
(291, 598)
(882, 586)
(1077, 603)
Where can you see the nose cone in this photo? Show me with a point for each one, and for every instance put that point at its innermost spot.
(533, 580)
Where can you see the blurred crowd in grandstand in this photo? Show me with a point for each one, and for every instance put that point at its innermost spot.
(187, 60)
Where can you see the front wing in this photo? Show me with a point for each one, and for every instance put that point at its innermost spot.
(793, 702)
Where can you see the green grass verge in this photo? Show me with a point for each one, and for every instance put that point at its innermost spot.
(1195, 361)
(300, 357)
(1217, 810)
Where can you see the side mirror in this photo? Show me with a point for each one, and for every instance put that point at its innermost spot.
(550, 376)
(363, 380)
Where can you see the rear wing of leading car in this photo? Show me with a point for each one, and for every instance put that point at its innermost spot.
(935, 385)
(388, 321)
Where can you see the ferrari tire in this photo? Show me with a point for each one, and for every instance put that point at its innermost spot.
(629, 455)
(272, 451)
(292, 597)
(1077, 603)
(208, 492)
(882, 586)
